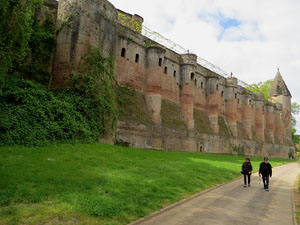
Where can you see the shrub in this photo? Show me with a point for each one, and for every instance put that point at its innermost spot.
(95, 82)
(32, 115)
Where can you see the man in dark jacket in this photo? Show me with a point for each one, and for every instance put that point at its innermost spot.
(265, 170)
(247, 171)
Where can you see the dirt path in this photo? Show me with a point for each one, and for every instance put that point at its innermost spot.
(234, 204)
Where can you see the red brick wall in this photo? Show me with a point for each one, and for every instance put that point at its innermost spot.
(259, 123)
(199, 99)
(127, 72)
(170, 88)
(187, 103)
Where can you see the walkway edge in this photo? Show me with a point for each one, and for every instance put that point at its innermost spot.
(295, 190)
(143, 219)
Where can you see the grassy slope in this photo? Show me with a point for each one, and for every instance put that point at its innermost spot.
(102, 184)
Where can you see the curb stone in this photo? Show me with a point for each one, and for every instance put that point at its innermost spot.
(295, 190)
(144, 219)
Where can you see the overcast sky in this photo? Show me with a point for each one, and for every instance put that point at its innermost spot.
(250, 38)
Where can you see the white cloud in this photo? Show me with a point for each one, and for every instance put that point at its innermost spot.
(266, 37)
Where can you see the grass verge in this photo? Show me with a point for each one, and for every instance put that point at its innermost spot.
(103, 184)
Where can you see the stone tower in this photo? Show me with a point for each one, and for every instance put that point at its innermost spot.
(231, 104)
(81, 25)
(154, 58)
(281, 94)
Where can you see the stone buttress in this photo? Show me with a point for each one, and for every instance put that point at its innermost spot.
(187, 72)
(231, 104)
(154, 73)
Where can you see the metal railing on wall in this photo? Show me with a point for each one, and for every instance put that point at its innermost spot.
(157, 37)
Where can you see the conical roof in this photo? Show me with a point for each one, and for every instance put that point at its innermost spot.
(279, 87)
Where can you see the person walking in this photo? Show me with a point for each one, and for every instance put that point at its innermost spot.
(265, 170)
(247, 171)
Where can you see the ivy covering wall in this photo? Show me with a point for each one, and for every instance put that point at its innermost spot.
(31, 113)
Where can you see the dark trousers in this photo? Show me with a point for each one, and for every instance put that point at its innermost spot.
(265, 179)
(245, 175)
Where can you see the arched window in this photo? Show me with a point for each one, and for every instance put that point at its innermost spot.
(166, 70)
(159, 61)
(192, 76)
(217, 87)
(222, 93)
(235, 95)
(123, 52)
(174, 74)
(201, 85)
(137, 58)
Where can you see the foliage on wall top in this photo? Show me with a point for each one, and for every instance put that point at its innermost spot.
(129, 22)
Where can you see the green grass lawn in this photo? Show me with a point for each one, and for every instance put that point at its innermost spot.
(103, 184)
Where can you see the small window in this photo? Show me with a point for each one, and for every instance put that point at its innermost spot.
(235, 95)
(159, 61)
(222, 93)
(249, 102)
(192, 76)
(137, 58)
(166, 70)
(217, 87)
(174, 74)
(123, 52)
(201, 85)
(195, 82)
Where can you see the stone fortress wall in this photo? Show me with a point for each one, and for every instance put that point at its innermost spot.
(191, 108)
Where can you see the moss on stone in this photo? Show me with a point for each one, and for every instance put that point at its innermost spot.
(202, 123)
(132, 106)
(276, 139)
(171, 115)
(241, 132)
(224, 130)
(254, 136)
(268, 139)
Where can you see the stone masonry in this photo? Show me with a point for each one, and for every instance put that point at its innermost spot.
(217, 114)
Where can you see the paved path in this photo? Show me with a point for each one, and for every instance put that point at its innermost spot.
(234, 204)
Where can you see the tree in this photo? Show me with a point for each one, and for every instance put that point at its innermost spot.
(261, 87)
(296, 139)
(295, 109)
